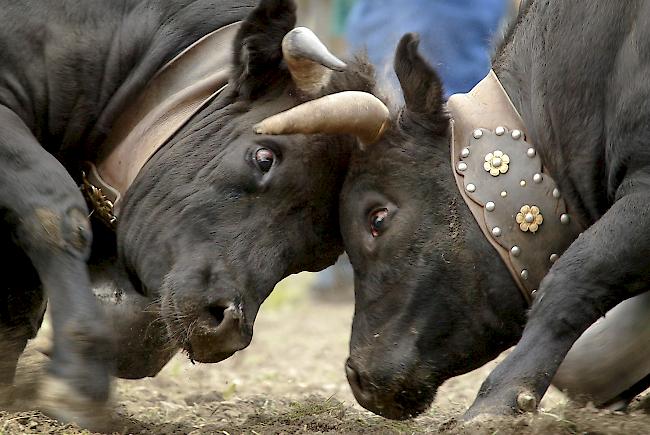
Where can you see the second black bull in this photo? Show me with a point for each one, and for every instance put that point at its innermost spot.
(433, 300)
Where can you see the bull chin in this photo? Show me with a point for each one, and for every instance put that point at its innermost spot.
(404, 405)
(204, 356)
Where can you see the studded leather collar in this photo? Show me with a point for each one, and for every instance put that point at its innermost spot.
(178, 91)
(505, 185)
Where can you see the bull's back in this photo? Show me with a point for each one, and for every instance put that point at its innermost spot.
(572, 62)
(69, 67)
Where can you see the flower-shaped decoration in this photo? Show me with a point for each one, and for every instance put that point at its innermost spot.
(496, 163)
(529, 218)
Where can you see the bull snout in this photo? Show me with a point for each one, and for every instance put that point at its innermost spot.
(207, 312)
(387, 393)
(360, 388)
(220, 330)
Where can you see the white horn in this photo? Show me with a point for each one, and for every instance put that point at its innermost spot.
(310, 62)
(351, 112)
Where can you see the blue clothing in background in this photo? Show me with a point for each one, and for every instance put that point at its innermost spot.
(455, 36)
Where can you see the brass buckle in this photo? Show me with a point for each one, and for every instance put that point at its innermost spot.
(99, 202)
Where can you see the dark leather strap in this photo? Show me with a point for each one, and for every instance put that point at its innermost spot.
(485, 125)
(178, 91)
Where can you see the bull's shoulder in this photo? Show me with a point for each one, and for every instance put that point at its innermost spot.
(68, 67)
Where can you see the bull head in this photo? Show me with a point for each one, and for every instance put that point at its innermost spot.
(431, 303)
(224, 211)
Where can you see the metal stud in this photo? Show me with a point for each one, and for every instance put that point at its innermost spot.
(556, 193)
(524, 274)
(478, 133)
(496, 231)
(470, 187)
(531, 152)
(522, 183)
(533, 292)
(515, 251)
(500, 131)
(504, 194)
(565, 218)
(490, 206)
(462, 166)
(464, 153)
(553, 258)
(516, 134)
(537, 178)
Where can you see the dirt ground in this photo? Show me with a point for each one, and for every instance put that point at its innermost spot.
(291, 380)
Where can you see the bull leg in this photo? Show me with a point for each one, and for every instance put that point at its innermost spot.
(12, 345)
(605, 265)
(47, 217)
(22, 306)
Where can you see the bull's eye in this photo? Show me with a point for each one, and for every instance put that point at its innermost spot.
(377, 221)
(264, 158)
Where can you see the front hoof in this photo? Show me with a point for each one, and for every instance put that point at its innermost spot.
(511, 403)
(483, 413)
(61, 401)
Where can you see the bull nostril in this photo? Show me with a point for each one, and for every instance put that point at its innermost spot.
(219, 331)
(217, 314)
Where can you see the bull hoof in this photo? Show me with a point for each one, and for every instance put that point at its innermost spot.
(61, 401)
(484, 409)
(506, 404)
(471, 422)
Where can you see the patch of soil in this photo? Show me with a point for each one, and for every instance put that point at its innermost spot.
(291, 380)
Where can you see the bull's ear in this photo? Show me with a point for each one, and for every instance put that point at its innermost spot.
(258, 46)
(422, 88)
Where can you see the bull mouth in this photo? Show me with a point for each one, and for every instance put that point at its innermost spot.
(403, 405)
(204, 357)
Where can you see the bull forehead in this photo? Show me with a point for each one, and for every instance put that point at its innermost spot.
(275, 102)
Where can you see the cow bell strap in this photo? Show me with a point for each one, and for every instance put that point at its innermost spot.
(502, 179)
(179, 90)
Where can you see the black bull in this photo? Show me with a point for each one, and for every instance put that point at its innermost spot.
(432, 299)
(211, 223)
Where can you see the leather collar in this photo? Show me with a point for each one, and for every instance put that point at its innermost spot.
(505, 185)
(178, 91)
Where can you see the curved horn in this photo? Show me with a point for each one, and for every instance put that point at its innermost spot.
(353, 112)
(310, 62)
